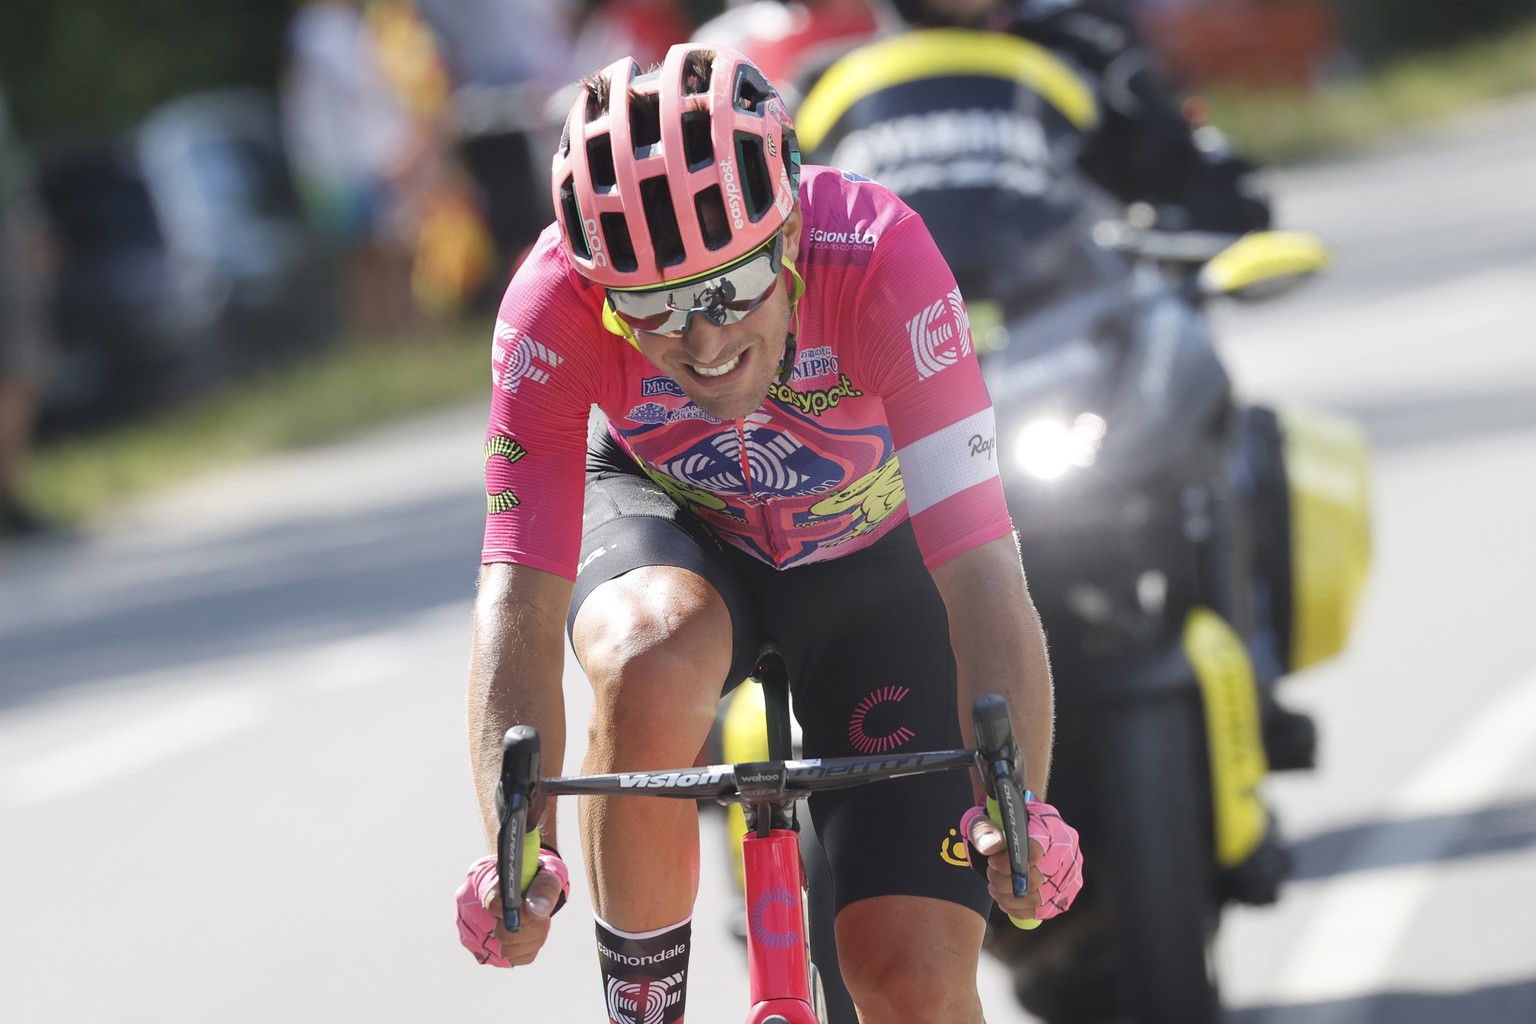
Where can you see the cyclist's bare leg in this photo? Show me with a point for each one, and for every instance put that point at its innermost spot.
(656, 644)
(910, 959)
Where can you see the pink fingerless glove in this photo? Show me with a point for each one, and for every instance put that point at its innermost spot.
(477, 925)
(1061, 863)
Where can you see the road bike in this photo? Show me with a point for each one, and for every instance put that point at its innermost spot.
(784, 987)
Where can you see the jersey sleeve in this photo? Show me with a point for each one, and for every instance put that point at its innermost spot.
(916, 352)
(546, 372)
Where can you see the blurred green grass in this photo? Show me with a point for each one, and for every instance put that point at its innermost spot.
(317, 399)
(1281, 128)
(362, 384)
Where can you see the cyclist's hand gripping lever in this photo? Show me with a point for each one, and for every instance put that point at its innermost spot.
(1001, 764)
(516, 795)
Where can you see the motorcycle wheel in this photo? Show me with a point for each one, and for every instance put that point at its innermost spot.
(1157, 860)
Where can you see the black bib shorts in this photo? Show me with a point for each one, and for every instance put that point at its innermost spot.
(866, 640)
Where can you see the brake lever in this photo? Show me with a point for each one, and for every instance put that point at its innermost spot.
(1001, 765)
(516, 793)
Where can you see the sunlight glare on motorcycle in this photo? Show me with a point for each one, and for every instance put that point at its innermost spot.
(1048, 448)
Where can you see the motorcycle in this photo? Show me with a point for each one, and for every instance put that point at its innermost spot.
(1185, 549)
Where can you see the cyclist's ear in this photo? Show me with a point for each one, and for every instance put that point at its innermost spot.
(792, 228)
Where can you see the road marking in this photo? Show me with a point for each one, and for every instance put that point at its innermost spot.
(1349, 945)
(109, 755)
(335, 666)
(1281, 355)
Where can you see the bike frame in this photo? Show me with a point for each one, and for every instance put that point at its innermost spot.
(778, 948)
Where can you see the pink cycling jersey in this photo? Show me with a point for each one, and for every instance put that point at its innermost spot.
(884, 418)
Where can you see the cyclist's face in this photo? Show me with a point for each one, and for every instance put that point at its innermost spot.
(727, 370)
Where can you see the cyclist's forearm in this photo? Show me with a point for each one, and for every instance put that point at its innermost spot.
(515, 676)
(1000, 646)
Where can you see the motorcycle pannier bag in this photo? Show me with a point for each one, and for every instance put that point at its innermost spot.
(1312, 527)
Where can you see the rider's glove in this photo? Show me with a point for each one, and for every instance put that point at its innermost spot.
(1060, 862)
(477, 925)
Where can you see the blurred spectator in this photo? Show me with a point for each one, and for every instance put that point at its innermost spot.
(642, 29)
(438, 214)
(352, 142)
(26, 261)
(1271, 44)
(793, 43)
(503, 60)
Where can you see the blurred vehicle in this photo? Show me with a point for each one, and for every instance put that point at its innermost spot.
(1185, 548)
(186, 258)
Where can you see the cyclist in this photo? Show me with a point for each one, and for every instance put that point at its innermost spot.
(794, 442)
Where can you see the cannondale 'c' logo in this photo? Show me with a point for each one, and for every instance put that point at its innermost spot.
(772, 919)
(932, 332)
(643, 1002)
(862, 741)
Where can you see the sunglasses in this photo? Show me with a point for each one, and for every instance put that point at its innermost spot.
(722, 296)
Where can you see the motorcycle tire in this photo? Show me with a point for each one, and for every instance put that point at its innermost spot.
(1156, 859)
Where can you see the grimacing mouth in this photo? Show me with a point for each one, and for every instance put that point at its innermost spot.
(717, 371)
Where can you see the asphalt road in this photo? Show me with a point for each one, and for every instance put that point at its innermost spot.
(233, 782)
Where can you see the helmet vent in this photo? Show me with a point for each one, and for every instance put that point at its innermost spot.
(754, 174)
(752, 90)
(698, 70)
(621, 249)
(570, 214)
(600, 161)
(644, 121)
(661, 216)
(710, 207)
(698, 143)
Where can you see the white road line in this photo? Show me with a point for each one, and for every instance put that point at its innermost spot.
(108, 756)
(1348, 946)
(336, 666)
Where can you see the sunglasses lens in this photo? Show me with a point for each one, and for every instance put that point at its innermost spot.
(653, 323)
(722, 299)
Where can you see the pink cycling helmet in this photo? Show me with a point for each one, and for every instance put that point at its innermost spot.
(672, 173)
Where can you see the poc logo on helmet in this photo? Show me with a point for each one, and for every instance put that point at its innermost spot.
(594, 241)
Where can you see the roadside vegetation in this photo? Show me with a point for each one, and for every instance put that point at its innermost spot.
(314, 400)
(1280, 128)
(361, 384)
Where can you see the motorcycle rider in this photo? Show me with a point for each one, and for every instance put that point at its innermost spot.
(1143, 150)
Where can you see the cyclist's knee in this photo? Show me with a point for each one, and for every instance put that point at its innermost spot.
(656, 644)
(899, 973)
(916, 984)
